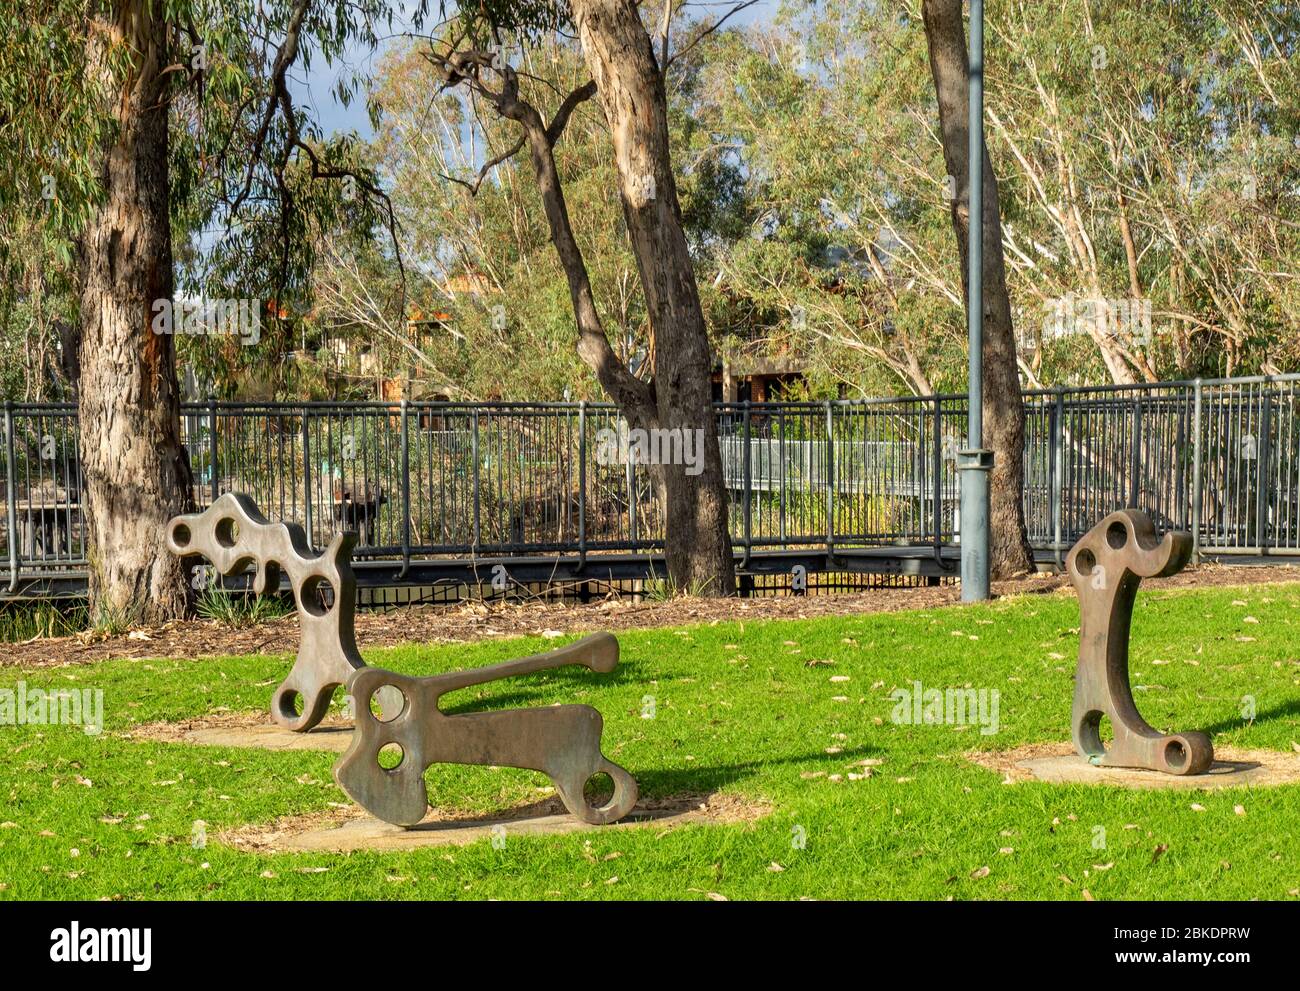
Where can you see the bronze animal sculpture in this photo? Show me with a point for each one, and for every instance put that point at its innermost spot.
(232, 533)
(1106, 566)
(561, 741)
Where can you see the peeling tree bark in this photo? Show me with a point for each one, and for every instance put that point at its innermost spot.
(135, 472)
(630, 85)
(697, 540)
(1004, 414)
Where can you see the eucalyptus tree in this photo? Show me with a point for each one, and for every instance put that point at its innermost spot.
(1151, 150)
(852, 121)
(161, 139)
(627, 74)
(130, 121)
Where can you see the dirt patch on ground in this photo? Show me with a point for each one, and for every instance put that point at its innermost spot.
(1057, 763)
(344, 829)
(478, 621)
(345, 826)
(246, 729)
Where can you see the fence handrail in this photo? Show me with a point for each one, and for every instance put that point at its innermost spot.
(287, 406)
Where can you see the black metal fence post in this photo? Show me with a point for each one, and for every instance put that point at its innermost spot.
(1056, 471)
(747, 463)
(1263, 458)
(830, 483)
(406, 494)
(215, 480)
(936, 511)
(473, 447)
(1197, 452)
(629, 480)
(1135, 464)
(11, 501)
(306, 474)
(582, 484)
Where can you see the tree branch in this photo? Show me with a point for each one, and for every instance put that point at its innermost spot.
(703, 34)
(571, 102)
(635, 397)
(488, 166)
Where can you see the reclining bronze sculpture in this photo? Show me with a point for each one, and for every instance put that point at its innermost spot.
(1106, 566)
(561, 741)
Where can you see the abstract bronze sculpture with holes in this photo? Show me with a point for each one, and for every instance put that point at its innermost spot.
(561, 741)
(1107, 566)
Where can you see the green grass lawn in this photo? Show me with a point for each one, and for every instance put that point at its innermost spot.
(737, 709)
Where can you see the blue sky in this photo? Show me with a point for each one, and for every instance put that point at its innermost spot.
(315, 89)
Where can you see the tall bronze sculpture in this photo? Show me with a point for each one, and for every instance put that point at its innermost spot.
(1106, 566)
(397, 713)
(233, 534)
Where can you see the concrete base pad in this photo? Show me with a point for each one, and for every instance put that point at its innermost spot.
(371, 834)
(1074, 769)
(269, 736)
(1057, 763)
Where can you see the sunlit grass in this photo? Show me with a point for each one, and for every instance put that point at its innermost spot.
(738, 709)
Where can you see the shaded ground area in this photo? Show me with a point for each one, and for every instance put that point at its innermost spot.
(347, 829)
(469, 622)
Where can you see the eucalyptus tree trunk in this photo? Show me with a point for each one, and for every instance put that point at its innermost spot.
(630, 85)
(1004, 413)
(135, 473)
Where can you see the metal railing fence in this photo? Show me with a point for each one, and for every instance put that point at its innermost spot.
(1219, 458)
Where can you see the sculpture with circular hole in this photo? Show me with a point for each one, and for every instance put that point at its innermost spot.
(1106, 566)
(232, 533)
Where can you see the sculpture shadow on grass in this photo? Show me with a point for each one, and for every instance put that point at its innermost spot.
(1282, 711)
(668, 781)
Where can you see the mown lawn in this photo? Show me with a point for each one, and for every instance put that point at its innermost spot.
(737, 709)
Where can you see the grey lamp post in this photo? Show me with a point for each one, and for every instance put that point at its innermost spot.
(976, 461)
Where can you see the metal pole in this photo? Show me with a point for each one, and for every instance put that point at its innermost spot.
(976, 461)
